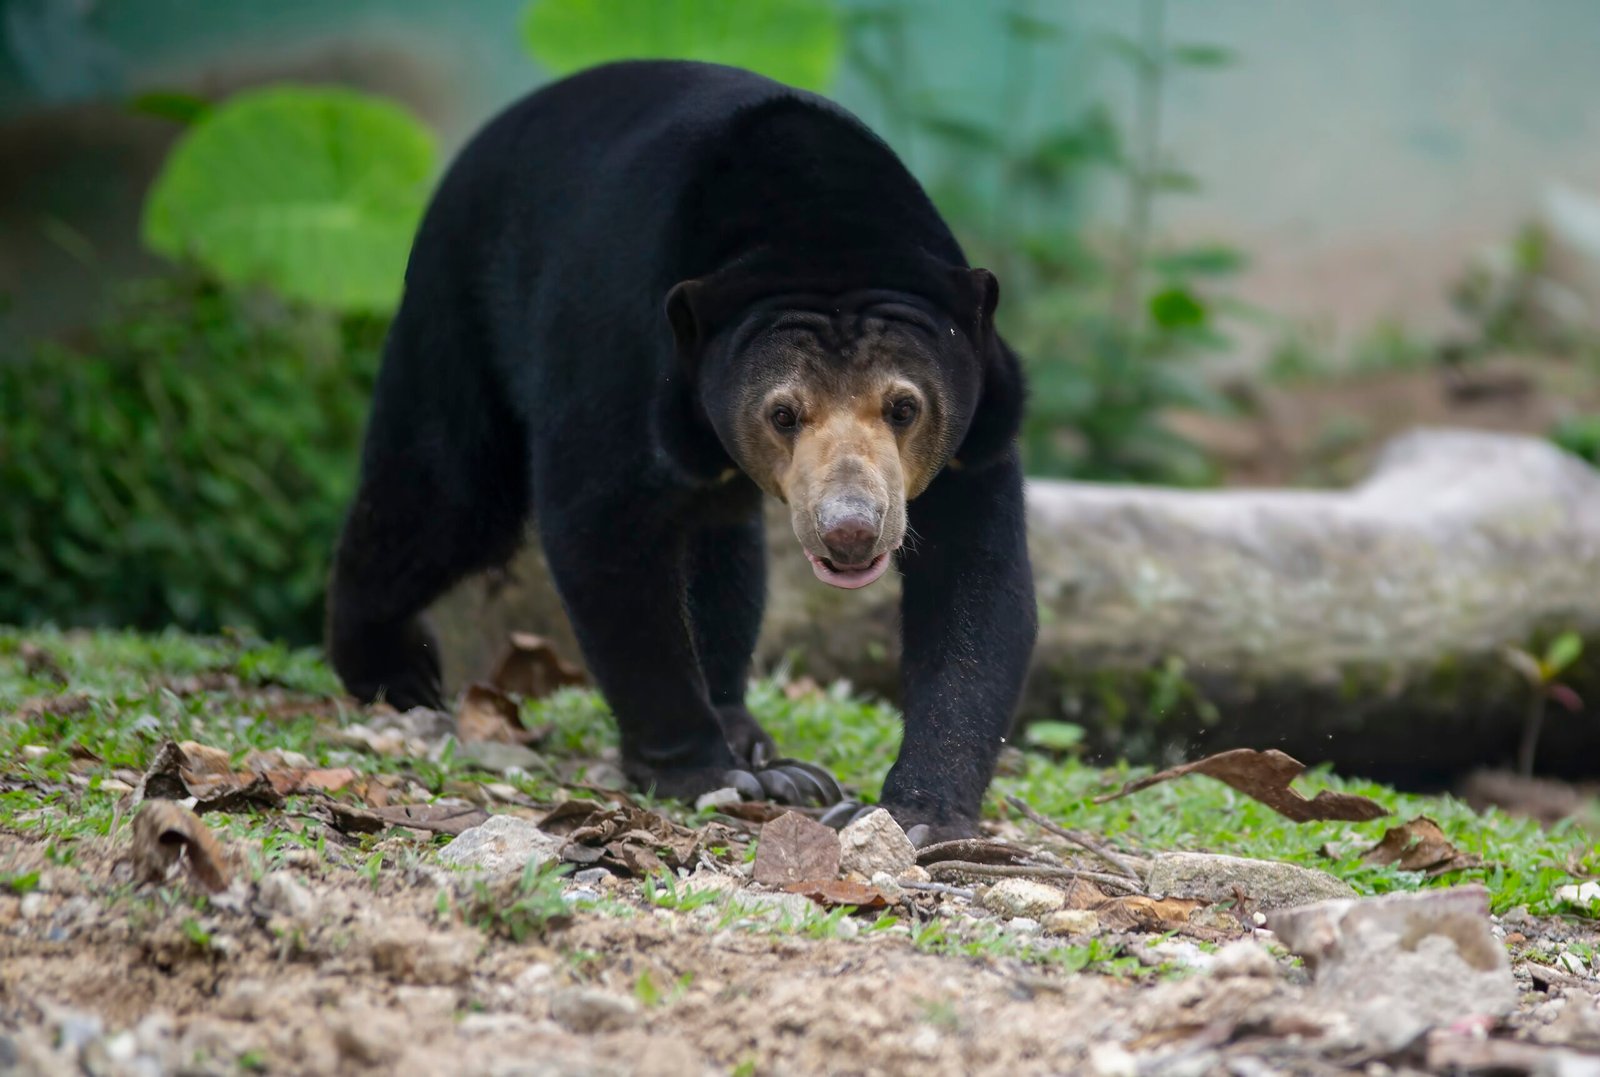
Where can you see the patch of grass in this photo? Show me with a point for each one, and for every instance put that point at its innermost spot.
(56, 792)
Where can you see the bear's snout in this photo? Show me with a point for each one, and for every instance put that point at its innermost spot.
(848, 527)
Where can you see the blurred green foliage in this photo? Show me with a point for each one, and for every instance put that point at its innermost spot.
(1107, 324)
(314, 192)
(1579, 435)
(187, 462)
(793, 41)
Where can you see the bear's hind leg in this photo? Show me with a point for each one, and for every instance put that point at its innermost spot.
(443, 494)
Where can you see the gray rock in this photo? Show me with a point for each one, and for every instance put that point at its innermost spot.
(875, 843)
(588, 1009)
(1212, 877)
(717, 798)
(1401, 964)
(591, 876)
(501, 758)
(1023, 925)
(503, 845)
(1023, 897)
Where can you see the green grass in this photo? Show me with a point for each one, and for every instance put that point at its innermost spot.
(55, 796)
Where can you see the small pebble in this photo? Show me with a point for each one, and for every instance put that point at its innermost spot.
(591, 876)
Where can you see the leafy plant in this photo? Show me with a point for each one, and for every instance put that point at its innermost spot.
(314, 192)
(793, 41)
(186, 463)
(1103, 326)
(1543, 674)
(1580, 436)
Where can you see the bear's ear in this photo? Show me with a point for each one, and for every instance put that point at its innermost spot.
(977, 295)
(998, 417)
(686, 304)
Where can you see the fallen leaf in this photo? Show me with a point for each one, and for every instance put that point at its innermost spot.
(1265, 777)
(1136, 912)
(830, 893)
(62, 706)
(754, 811)
(290, 782)
(165, 834)
(488, 714)
(40, 663)
(182, 771)
(531, 668)
(435, 818)
(258, 795)
(570, 814)
(1420, 846)
(793, 848)
(633, 840)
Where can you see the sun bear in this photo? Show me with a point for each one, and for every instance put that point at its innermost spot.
(641, 298)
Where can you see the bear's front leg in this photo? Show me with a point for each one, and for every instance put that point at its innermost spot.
(968, 626)
(627, 607)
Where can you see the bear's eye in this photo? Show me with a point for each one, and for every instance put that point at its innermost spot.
(784, 418)
(902, 411)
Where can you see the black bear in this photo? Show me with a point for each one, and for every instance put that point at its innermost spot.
(641, 297)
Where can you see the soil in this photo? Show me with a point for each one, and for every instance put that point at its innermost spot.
(321, 966)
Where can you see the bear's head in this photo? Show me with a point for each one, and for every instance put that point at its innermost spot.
(846, 405)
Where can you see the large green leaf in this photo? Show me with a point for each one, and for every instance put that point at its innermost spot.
(313, 192)
(793, 41)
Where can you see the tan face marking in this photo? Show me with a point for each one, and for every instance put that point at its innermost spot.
(852, 452)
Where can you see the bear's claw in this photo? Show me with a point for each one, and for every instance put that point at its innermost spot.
(787, 781)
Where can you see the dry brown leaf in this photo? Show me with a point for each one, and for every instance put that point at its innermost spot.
(256, 795)
(830, 893)
(1265, 777)
(1138, 913)
(488, 714)
(64, 705)
(330, 780)
(632, 840)
(1420, 846)
(531, 668)
(754, 811)
(165, 833)
(449, 819)
(794, 849)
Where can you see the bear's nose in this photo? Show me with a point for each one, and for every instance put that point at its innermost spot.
(849, 529)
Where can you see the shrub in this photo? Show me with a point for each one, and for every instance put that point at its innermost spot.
(187, 463)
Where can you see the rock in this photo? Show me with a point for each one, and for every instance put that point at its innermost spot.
(498, 756)
(1342, 607)
(1112, 1060)
(1401, 964)
(1245, 957)
(875, 843)
(1212, 877)
(1023, 897)
(1582, 894)
(888, 886)
(503, 845)
(588, 1009)
(717, 798)
(281, 893)
(591, 876)
(793, 849)
(1022, 925)
(1072, 922)
(916, 873)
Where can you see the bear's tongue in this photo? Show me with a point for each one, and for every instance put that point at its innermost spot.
(848, 577)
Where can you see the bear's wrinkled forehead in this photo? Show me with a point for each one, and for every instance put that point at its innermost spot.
(837, 352)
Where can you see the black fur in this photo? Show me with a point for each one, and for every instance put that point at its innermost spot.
(536, 369)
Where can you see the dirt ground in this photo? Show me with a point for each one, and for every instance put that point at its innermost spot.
(325, 966)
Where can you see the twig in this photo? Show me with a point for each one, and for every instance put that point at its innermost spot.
(941, 888)
(1031, 871)
(1083, 841)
